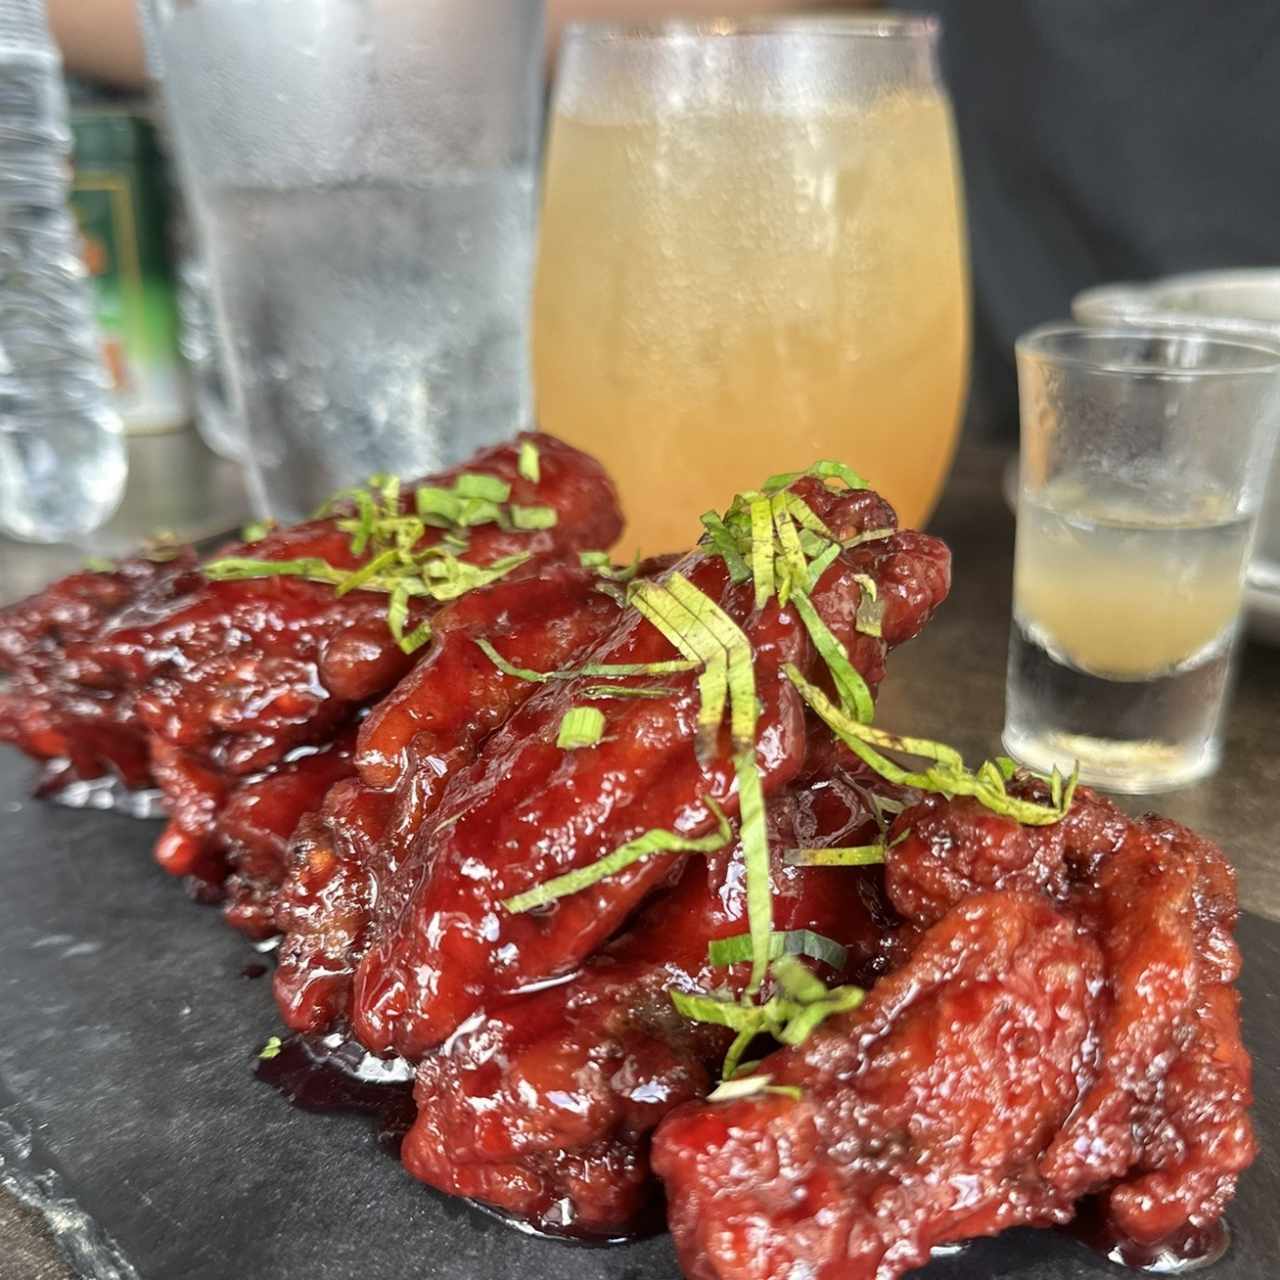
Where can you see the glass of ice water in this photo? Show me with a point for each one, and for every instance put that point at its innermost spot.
(362, 178)
(1144, 458)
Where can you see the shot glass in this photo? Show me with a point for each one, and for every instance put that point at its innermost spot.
(1144, 458)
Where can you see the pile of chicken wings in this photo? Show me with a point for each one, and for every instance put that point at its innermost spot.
(1006, 1022)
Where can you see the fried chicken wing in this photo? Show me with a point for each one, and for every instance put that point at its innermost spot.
(1064, 1028)
(413, 742)
(76, 736)
(82, 729)
(947, 849)
(534, 1106)
(197, 790)
(258, 821)
(241, 672)
(1163, 908)
(219, 825)
(35, 633)
(238, 674)
(920, 1118)
(1163, 1130)
(527, 810)
(323, 907)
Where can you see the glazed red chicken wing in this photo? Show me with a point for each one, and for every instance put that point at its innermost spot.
(256, 824)
(1064, 1027)
(526, 810)
(920, 1118)
(421, 735)
(534, 1107)
(1163, 1129)
(83, 729)
(240, 672)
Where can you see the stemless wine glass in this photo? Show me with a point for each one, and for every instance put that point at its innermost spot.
(752, 256)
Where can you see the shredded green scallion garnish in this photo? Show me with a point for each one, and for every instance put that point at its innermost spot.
(884, 808)
(868, 535)
(862, 855)
(722, 952)
(823, 469)
(855, 695)
(608, 670)
(803, 514)
(689, 636)
(726, 547)
(823, 560)
(645, 846)
(368, 571)
(754, 836)
(870, 614)
(721, 630)
(476, 484)
(744, 713)
(528, 519)
(945, 775)
(802, 1003)
(605, 691)
(256, 530)
(762, 550)
(796, 568)
(580, 727)
(601, 562)
(380, 530)
(750, 1086)
(238, 568)
(529, 464)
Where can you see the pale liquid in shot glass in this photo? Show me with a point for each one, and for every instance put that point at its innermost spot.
(1126, 607)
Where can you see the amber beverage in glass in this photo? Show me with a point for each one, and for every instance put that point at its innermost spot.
(752, 255)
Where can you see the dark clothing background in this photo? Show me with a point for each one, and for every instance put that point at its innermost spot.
(1105, 140)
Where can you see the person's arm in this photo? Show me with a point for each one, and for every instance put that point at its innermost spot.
(101, 40)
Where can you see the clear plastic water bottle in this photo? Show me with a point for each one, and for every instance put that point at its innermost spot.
(62, 460)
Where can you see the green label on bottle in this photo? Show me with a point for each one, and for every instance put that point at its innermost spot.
(119, 202)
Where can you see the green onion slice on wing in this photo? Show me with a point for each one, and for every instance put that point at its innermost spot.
(794, 942)
(945, 773)
(580, 727)
(528, 465)
(637, 850)
(372, 518)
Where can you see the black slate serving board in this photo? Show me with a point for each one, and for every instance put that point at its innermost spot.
(128, 1036)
